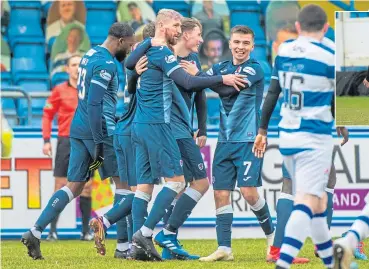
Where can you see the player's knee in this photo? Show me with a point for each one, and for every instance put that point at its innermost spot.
(287, 186)
(201, 185)
(120, 184)
(175, 186)
(60, 182)
(222, 198)
(332, 178)
(145, 188)
(75, 187)
(250, 194)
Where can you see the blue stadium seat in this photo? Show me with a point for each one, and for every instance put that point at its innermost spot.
(26, 47)
(59, 78)
(266, 68)
(330, 34)
(213, 110)
(237, 6)
(180, 6)
(100, 16)
(259, 53)
(25, 19)
(6, 79)
(27, 66)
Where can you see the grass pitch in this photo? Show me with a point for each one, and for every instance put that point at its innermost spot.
(248, 253)
(352, 111)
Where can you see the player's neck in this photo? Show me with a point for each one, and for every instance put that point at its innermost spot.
(73, 83)
(236, 62)
(110, 47)
(181, 50)
(317, 36)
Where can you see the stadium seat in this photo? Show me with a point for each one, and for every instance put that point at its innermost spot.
(330, 34)
(45, 8)
(267, 69)
(25, 19)
(58, 78)
(237, 6)
(26, 47)
(259, 53)
(6, 79)
(27, 66)
(180, 6)
(100, 16)
(213, 110)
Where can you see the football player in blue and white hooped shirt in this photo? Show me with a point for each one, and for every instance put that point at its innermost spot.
(304, 69)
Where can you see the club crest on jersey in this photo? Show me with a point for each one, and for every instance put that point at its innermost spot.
(201, 166)
(170, 59)
(238, 70)
(249, 70)
(105, 75)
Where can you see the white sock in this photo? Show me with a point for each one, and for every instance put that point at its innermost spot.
(228, 250)
(166, 232)
(359, 229)
(322, 239)
(36, 233)
(106, 222)
(147, 232)
(295, 234)
(122, 246)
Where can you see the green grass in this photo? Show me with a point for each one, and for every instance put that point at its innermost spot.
(351, 111)
(248, 253)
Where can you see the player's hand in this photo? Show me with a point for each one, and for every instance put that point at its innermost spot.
(260, 144)
(366, 83)
(141, 65)
(236, 81)
(342, 131)
(189, 67)
(99, 157)
(201, 140)
(158, 42)
(47, 150)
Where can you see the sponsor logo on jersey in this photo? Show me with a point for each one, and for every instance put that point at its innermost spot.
(170, 59)
(109, 62)
(249, 70)
(210, 72)
(224, 70)
(105, 75)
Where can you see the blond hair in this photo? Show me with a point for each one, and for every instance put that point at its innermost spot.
(188, 24)
(165, 14)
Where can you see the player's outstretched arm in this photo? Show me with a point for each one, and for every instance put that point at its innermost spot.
(268, 107)
(137, 54)
(202, 114)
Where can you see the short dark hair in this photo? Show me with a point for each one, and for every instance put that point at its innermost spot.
(312, 18)
(290, 28)
(132, 4)
(121, 30)
(242, 29)
(149, 30)
(212, 37)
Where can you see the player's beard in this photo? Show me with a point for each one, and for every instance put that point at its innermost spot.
(171, 40)
(121, 55)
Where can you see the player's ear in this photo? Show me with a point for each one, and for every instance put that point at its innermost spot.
(298, 27)
(325, 28)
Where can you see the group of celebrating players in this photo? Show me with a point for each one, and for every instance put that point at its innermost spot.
(154, 140)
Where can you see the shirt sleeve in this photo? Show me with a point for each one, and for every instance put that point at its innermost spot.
(135, 55)
(270, 103)
(50, 109)
(168, 61)
(254, 73)
(102, 76)
(275, 69)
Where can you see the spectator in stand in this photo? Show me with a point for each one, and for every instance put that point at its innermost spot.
(136, 14)
(70, 42)
(366, 80)
(283, 34)
(63, 101)
(5, 16)
(5, 56)
(213, 49)
(67, 12)
(209, 18)
(124, 13)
